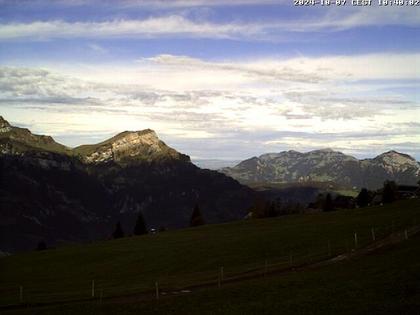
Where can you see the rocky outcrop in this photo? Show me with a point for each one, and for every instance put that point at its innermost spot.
(130, 146)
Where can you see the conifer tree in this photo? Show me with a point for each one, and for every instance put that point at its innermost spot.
(328, 205)
(118, 233)
(196, 217)
(390, 191)
(270, 210)
(363, 198)
(140, 227)
(41, 246)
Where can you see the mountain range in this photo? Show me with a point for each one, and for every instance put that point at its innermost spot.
(58, 194)
(327, 166)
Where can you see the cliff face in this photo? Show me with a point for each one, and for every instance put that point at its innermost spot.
(129, 147)
(54, 193)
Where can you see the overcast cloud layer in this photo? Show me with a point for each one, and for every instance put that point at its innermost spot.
(215, 79)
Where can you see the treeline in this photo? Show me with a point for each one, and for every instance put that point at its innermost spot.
(330, 201)
(141, 229)
(262, 208)
(390, 192)
(277, 207)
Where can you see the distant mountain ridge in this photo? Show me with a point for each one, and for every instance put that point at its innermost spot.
(327, 166)
(15, 140)
(125, 147)
(54, 193)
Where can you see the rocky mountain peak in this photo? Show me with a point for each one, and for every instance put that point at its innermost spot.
(147, 136)
(395, 155)
(325, 151)
(130, 146)
(396, 161)
(4, 125)
(16, 140)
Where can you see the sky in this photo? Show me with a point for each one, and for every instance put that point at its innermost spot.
(216, 79)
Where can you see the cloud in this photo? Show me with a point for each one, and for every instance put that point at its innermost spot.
(173, 25)
(97, 48)
(144, 3)
(306, 70)
(254, 106)
(177, 25)
(331, 105)
(281, 72)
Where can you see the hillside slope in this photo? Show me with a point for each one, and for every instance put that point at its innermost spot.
(177, 259)
(382, 283)
(57, 194)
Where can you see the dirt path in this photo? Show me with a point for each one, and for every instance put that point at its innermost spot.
(394, 238)
(164, 293)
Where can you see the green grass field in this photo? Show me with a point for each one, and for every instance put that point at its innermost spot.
(181, 258)
(386, 282)
(347, 192)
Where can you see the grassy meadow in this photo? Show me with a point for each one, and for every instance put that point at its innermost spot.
(386, 282)
(177, 259)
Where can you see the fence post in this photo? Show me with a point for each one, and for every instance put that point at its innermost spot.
(265, 267)
(157, 290)
(406, 234)
(221, 273)
(93, 288)
(329, 248)
(21, 294)
(355, 240)
(373, 234)
(291, 260)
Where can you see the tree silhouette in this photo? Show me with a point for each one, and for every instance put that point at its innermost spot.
(390, 192)
(140, 227)
(270, 210)
(196, 217)
(118, 233)
(418, 189)
(363, 198)
(41, 246)
(328, 204)
(259, 207)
